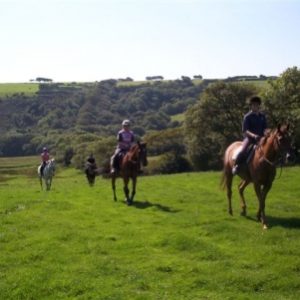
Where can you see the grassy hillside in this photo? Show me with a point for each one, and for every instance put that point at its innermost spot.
(175, 242)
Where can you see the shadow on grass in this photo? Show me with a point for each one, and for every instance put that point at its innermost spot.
(280, 221)
(147, 204)
(284, 222)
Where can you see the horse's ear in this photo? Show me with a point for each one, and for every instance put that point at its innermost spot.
(287, 126)
(278, 126)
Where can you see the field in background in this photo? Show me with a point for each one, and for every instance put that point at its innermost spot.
(8, 89)
(176, 242)
(178, 117)
(23, 165)
(28, 89)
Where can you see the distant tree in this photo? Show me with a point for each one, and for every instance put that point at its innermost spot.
(197, 77)
(69, 153)
(43, 79)
(215, 121)
(154, 77)
(282, 101)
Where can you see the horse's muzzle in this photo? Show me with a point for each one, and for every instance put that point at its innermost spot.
(290, 156)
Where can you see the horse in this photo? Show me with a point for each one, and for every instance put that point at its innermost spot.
(48, 173)
(129, 169)
(91, 172)
(261, 169)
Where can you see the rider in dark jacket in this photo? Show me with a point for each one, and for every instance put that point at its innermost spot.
(254, 125)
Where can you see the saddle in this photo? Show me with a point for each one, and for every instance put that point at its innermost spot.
(248, 155)
(119, 159)
(42, 167)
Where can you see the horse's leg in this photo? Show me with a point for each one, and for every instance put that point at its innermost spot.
(133, 188)
(264, 193)
(126, 189)
(258, 192)
(113, 184)
(228, 184)
(41, 182)
(242, 187)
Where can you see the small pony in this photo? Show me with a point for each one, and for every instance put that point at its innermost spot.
(91, 172)
(129, 169)
(261, 169)
(48, 173)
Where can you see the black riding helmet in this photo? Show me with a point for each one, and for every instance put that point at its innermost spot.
(255, 99)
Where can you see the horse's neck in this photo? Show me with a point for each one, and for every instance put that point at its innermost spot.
(133, 154)
(269, 149)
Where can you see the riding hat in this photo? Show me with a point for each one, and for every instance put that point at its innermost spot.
(126, 123)
(255, 99)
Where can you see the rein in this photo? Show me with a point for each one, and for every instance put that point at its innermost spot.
(273, 164)
(132, 160)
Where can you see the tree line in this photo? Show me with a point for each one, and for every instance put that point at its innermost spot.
(74, 120)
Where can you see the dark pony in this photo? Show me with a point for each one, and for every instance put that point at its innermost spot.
(91, 172)
(129, 169)
(261, 170)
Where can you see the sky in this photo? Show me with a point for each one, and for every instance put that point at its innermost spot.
(90, 40)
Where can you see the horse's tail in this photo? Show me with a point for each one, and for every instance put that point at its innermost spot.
(226, 171)
(223, 182)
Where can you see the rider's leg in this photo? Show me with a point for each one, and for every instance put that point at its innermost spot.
(42, 168)
(241, 156)
(114, 161)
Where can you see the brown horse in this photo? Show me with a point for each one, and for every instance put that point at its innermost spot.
(129, 168)
(261, 170)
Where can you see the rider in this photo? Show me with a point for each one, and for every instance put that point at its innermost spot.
(125, 139)
(90, 162)
(254, 125)
(45, 156)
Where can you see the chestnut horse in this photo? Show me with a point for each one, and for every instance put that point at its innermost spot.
(129, 169)
(261, 170)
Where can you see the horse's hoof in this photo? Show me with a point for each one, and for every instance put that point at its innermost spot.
(265, 227)
(243, 214)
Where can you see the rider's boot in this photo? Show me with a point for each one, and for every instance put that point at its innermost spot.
(237, 164)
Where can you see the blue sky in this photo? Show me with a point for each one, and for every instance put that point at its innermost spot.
(89, 40)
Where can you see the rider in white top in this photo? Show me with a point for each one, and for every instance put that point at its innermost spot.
(125, 139)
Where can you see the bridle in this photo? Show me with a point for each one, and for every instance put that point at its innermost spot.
(281, 151)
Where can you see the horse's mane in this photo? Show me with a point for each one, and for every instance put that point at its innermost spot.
(132, 151)
(268, 132)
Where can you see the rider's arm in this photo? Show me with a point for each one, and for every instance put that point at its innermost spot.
(251, 135)
(246, 131)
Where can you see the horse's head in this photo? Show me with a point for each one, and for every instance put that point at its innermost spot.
(143, 153)
(52, 164)
(283, 142)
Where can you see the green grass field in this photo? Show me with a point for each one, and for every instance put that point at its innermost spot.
(176, 242)
(8, 89)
